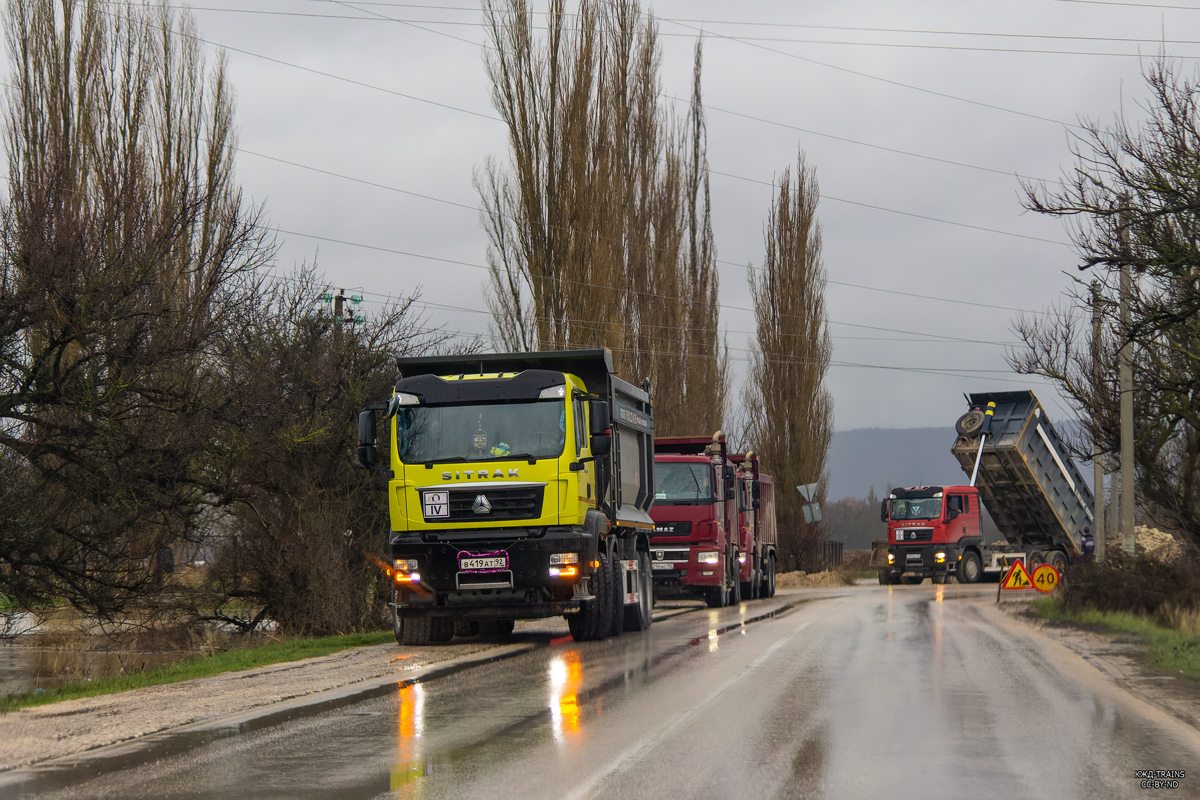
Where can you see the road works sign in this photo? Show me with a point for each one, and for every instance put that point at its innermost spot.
(1016, 577)
(1045, 578)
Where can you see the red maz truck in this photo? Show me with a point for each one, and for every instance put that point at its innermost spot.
(756, 513)
(694, 548)
(714, 522)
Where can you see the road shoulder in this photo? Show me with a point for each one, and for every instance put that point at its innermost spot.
(1120, 658)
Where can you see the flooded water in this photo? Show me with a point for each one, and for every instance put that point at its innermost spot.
(24, 668)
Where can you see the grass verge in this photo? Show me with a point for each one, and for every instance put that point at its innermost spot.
(1166, 649)
(199, 667)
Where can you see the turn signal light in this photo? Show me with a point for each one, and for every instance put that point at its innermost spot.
(408, 577)
(563, 572)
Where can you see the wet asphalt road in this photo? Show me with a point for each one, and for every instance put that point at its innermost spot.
(879, 692)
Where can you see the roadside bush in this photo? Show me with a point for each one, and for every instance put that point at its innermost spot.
(1167, 591)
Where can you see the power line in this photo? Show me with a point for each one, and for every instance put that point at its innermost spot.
(446, 106)
(595, 286)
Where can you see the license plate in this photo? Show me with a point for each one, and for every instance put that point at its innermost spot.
(914, 556)
(661, 565)
(487, 563)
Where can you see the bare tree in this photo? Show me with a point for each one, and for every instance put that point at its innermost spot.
(1131, 198)
(303, 545)
(128, 255)
(789, 412)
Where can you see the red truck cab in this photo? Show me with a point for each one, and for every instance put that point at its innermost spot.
(694, 549)
(933, 532)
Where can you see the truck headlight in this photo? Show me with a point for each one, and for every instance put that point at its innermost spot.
(940, 557)
(563, 572)
(891, 558)
(564, 558)
(741, 558)
(406, 564)
(710, 557)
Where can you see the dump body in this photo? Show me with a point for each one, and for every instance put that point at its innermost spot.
(520, 487)
(1030, 485)
(756, 509)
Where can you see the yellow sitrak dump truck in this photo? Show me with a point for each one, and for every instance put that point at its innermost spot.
(519, 488)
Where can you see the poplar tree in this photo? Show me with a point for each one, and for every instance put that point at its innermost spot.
(598, 225)
(789, 412)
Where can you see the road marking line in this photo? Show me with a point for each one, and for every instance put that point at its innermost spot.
(641, 746)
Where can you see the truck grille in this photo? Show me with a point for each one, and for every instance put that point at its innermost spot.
(661, 554)
(523, 502)
(672, 528)
(914, 534)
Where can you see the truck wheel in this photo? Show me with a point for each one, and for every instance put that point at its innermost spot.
(885, 577)
(937, 580)
(414, 630)
(735, 588)
(441, 629)
(912, 580)
(1036, 559)
(969, 569)
(1058, 560)
(617, 620)
(768, 589)
(595, 615)
(716, 596)
(397, 625)
(970, 423)
(638, 615)
(464, 627)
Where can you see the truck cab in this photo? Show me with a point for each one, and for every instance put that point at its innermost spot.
(694, 549)
(931, 531)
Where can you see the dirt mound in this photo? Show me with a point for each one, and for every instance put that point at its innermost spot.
(1153, 543)
(805, 580)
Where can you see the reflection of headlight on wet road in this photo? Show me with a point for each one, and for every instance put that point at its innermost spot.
(565, 675)
(712, 641)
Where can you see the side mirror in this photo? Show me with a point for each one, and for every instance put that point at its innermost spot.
(600, 421)
(883, 511)
(755, 495)
(367, 454)
(730, 483)
(601, 444)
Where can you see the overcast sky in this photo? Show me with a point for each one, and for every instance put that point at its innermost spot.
(361, 125)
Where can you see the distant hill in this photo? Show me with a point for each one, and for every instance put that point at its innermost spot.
(881, 458)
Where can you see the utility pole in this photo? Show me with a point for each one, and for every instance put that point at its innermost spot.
(1099, 532)
(1128, 539)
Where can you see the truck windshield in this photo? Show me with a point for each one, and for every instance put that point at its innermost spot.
(921, 508)
(496, 432)
(683, 484)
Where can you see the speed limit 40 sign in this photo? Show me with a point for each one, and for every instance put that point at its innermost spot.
(1045, 578)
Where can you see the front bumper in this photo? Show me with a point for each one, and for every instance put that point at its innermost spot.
(522, 584)
(675, 570)
(921, 559)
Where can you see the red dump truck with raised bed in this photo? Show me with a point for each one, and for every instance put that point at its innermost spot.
(1020, 470)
